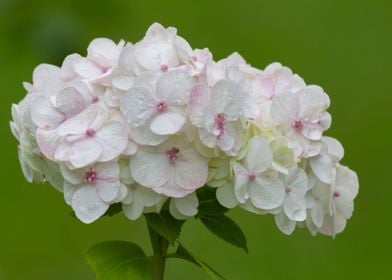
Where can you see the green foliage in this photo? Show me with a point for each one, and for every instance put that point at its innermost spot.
(225, 228)
(113, 260)
(183, 253)
(208, 204)
(211, 214)
(165, 225)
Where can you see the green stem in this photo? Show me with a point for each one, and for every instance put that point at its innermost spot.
(159, 246)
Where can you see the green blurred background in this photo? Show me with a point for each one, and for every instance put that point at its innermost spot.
(344, 46)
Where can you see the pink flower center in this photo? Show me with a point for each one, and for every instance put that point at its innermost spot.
(90, 176)
(297, 124)
(194, 58)
(288, 189)
(90, 132)
(173, 154)
(220, 123)
(161, 106)
(95, 99)
(164, 67)
(252, 176)
(336, 194)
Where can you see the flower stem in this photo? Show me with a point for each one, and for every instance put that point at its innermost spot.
(159, 246)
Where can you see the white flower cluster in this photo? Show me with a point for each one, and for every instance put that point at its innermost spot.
(142, 123)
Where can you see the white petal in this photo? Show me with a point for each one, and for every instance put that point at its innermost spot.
(187, 205)
(267, 193)
(133, 210)
(322, 166)
(167, 123)
(87, 205)
(334, 147)
(285, 225)
(199, 99)
(285, 107)
(113, 138)
(103, 51)
(44, 115)
(84, 152)
(295, 207)
(150, 169)
(174, 87)
(75, 176)
(317, 214)
(107, 189)
(78, 124)
(87, 69)
(191, 170)
(259, 156)
(69, 101)
(241, 180)
(137, 105)
(228, 98)
(47, 141)
(347, 179)
(226, 197)
(143, 135)
(313, 100)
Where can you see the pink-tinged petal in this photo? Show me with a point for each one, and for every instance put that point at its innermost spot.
(107, 190)
(174, 87)
(87, 205)
(197, 105)
(69, 101)
(62, 151)
(150, 169)
(266, 193)
(137, 105)
(84, 152)
(259, 156)
(44, 115)
(46, 76)
(47, 141)
(228, 98)
(67, 72)
(285, 107)
(313, 101)
(113, 138)
(167, 123)
(80, 123)
(87, 69)
(103, 51)
(191, 170)
(285, 225)
(312, 131)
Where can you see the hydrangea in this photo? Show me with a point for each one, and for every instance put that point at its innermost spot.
(150, 125)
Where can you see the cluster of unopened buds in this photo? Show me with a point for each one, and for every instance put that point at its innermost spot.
(150, 123)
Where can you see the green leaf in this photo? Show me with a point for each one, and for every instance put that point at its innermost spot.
(225, 228)
(208, 204)
(113, 260)
(183, 253)
(113, 209)
(165, 225)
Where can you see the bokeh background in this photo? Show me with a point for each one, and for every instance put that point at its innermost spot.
(344, 46)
